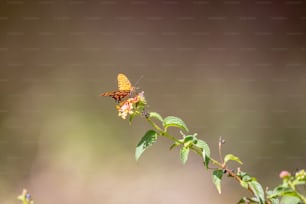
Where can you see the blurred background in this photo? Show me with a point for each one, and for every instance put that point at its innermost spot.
(234, 69)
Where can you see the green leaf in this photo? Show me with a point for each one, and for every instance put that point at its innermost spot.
(203, 145)
(188, 138)
(250, 182)
(257, 190)
(231, 157)
(157, 116)
(274, 201)
(184, 154)
(146, 141)
(205, 151)
(280, 191)
(245, 200)
(244, 184)
(297, 182)
(172, 121)
(291, 200)
(244, 176)
(21, 198)
(217, 178)
(272, 194)
(245, 179)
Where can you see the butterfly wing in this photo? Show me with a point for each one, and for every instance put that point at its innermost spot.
(117, 95)
(123, 83)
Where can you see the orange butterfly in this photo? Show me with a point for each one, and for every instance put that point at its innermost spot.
(125, 88)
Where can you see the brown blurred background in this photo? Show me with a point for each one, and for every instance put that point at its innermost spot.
(229, 68)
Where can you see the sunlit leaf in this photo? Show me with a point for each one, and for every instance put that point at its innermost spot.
(291, 200)
(156, 115)
(188, 138)
(245, 200)
(172, 121)
(258, 191)
(279, 191)
(184, 152)
(146, 141)
(244, 184)
(244, 176)
(217, 178)
(274, 201)
(205, 151)
(231, 157)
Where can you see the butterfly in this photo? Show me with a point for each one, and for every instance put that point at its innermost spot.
(125, 88)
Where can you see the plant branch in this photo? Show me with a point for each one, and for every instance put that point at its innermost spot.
(197, 150)
(161, 132)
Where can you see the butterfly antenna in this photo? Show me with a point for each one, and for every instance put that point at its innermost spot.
(138, 81)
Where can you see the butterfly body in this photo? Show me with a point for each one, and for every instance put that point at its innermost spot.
(125, 88)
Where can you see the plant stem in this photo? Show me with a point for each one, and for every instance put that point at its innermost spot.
(166, 134)
(161, 132)
(297, 193)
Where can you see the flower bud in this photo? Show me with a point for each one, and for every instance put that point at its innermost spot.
(284, 174)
